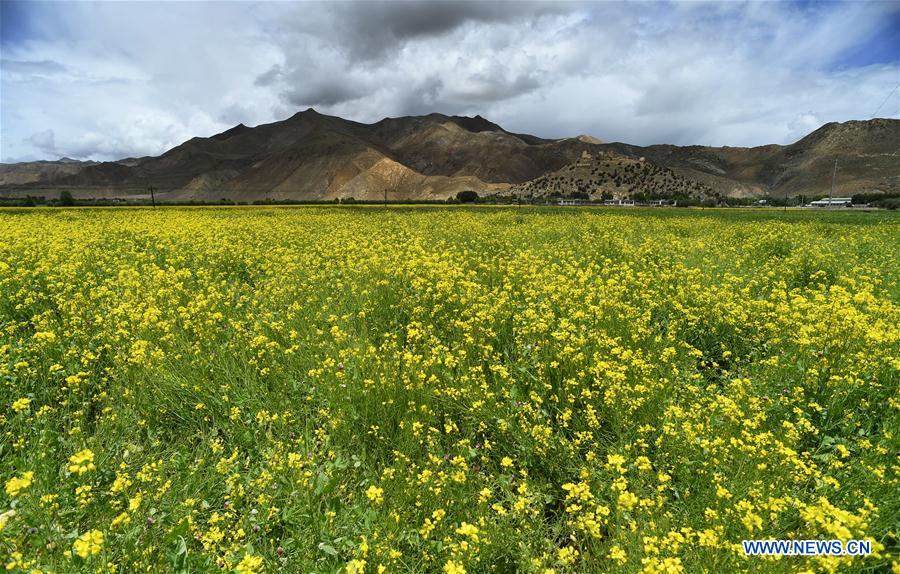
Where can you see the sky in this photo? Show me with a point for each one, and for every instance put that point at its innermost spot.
(108, 80)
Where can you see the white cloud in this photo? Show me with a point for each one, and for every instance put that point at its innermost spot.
(112, 80)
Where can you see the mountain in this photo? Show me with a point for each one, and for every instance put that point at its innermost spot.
(311, 156)
(868, 154)
(36, 171)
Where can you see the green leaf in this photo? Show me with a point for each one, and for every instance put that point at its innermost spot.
(328, 549)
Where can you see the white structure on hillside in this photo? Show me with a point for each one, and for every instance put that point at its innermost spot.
(585, 160)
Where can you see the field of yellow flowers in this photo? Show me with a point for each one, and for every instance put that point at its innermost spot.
(446, 390)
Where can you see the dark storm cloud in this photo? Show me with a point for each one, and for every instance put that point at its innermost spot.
(487, 87)
(423, 98)
(369, 30)
(420, 57)
(322, 92)
(269, 77)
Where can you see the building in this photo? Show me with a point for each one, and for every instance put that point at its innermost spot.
(586, 159)
(832, 202)
(620, 202)
(571, 202)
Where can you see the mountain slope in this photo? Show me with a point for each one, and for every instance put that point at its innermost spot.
(868, 154)
(317, 157)
(311, 156)
(38, 171)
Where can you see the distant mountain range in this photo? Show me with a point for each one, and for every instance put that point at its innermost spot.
(311, 156)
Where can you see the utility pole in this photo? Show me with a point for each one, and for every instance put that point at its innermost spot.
(833, 177)
(385, 196)
(152, 196)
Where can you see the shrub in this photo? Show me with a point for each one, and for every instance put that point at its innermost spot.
(467, 196)
(66, 199)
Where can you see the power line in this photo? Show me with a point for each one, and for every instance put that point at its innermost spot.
(885, 100)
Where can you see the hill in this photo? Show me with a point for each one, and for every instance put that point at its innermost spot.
(608, 175)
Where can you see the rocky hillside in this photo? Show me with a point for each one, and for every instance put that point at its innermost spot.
(608, 175)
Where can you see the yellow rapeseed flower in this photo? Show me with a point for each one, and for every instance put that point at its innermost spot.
(375, 494)
(250, 564)
(89, 543)
(21, 404)
(82, 462)
(15, 485)
(616, 554)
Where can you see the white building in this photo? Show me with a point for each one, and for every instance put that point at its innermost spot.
(832, 202)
